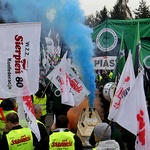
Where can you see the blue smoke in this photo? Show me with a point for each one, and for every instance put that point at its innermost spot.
(67, 18)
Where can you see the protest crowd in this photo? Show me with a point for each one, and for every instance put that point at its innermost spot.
(39, 89)
(105, 135)
(23, 123)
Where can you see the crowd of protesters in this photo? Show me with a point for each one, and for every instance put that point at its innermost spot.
(46, 100)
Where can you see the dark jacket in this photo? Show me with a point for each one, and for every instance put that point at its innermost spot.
(44, 142)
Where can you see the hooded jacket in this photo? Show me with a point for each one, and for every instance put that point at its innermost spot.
(108, 145)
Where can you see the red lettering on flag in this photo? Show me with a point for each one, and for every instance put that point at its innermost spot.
(141, 133)
(28, 101)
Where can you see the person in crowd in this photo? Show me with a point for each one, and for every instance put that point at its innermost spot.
(57, 107)
(98, 79)
(47, 89)
(61, 134)
(8, 105)
(129, 139)
(116, 134)
(44, 142)
(40, 98)
(101, 138)
(16, 137)
(110, 75)
(1, 99)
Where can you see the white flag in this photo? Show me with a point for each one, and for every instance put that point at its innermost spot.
(68, 83)
(30, 117)
(27, 115)
(141, 116)
(123, 88)
(19, 58)
(133, 114)
(20, 51)
(66, 94)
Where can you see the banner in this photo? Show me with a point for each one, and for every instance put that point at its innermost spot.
(19, 58)
(104, 62)
(100, 63)
(26, 115)
(76, 87)
(124, 86)
(107, 37)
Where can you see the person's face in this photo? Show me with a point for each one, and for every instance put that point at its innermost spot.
(38, 114)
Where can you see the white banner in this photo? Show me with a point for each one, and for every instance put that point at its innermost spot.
(30, 117)
(125, 83)
(19, 58)
(77, 88)
(104, 62)
(100, 63)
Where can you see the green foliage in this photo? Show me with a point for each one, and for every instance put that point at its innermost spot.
(143, 10)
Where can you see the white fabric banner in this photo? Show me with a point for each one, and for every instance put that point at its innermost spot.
(30, 117)
(74, 87)
(141, 114)
(137, 120)
(19, 58)
(66, 94)
(126, 81)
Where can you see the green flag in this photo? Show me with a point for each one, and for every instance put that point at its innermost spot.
(136, 51)
(120, 60)
(122, 55)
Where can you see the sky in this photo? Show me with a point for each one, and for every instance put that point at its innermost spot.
(91, 6)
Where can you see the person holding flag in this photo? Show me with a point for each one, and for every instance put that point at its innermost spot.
(67, 88)
(40, 98)
(44, 141)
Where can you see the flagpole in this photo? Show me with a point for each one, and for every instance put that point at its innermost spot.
(104, 132)
(45, 88)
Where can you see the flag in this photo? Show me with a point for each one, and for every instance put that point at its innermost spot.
(20, 51)
(63, 77)
(30, 116)
(65, 88)
(146, 75)
(19, 55)
(26, 112)
(143, 124)
(122, 55)
(123, 88)
(136, 51)
(120, 60)
(133, 114)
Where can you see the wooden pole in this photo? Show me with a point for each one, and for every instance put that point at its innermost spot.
(45, 88)
(104, 132)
